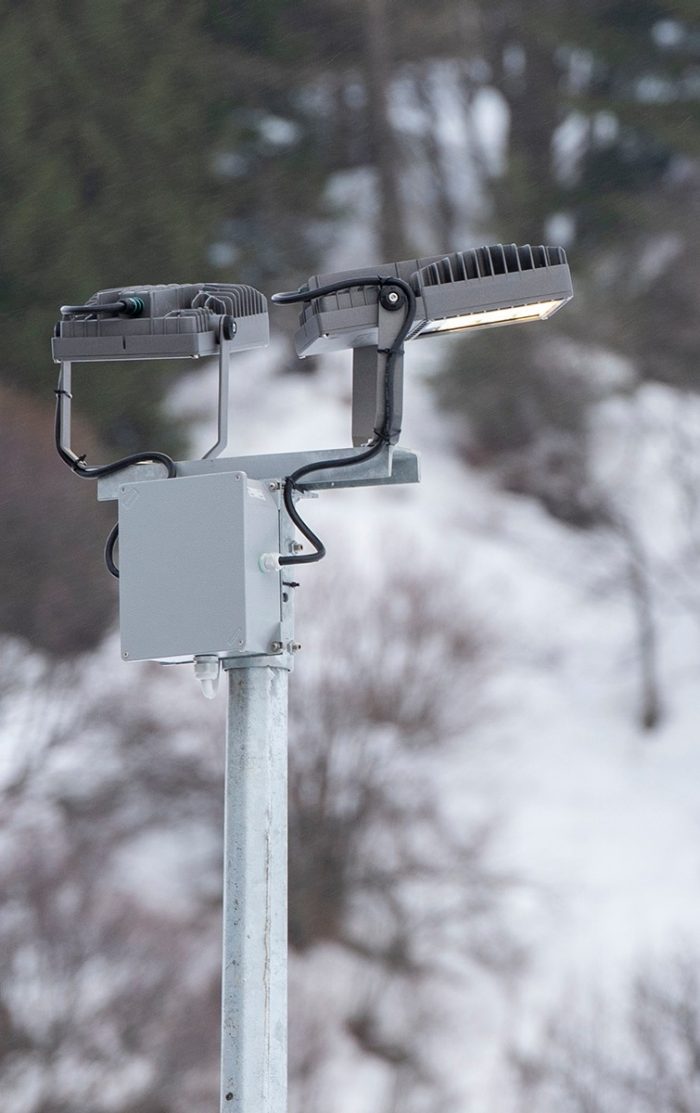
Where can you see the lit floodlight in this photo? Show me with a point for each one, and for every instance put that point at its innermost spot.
(357, 309)
(480, 288)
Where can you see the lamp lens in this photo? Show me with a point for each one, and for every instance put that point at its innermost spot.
(535, 311)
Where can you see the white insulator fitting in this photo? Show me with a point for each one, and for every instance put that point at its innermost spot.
(207, 671)
(270, 562)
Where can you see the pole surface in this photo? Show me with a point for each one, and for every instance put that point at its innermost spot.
(254, 984)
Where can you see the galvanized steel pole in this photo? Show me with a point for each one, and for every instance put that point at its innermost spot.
(254, 985)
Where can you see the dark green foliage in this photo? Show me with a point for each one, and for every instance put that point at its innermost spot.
(276, 142)
(106, 131)
(627, 69)
(114, 120)
(620, 79)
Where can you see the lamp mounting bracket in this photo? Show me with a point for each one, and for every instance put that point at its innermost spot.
(368, 376)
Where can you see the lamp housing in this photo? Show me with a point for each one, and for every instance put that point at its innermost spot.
(478, 288)
(172, 322)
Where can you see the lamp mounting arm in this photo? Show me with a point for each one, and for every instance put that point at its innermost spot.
(372, 395)
(227, 332)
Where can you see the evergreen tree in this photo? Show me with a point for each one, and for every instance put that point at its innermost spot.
(107, 117)
(602, 144)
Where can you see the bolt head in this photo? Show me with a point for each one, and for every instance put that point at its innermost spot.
(275, 647)
(391, 298)
(296, 547)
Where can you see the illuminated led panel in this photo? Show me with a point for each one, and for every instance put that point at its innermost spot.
(536, 311)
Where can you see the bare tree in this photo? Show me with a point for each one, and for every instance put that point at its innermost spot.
(378, 871)
(642, 600)
(107, 1002)
(384, 150)
(643, 1057)
(110, 929)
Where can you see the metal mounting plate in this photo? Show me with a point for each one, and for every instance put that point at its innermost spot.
(390, 466)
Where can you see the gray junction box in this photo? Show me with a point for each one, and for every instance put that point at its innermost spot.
(190, 582)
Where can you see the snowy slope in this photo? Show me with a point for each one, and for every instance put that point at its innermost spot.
(598, 817)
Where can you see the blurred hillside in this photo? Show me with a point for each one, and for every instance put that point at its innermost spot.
(508, 806)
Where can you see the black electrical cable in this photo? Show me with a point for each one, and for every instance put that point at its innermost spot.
(383, 435)
(112, 538)
(78, 465)
(130, 307)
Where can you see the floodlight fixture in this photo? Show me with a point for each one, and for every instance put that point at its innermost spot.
(192, 321)
(200, 320)
(485, 286)
(161, 322)
(452, 293)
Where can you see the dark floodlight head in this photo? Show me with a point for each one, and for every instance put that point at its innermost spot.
(195, 321)
(161, 322)
(485, 286)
